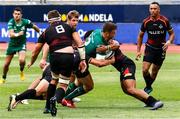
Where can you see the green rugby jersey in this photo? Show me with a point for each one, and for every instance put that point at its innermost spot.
(94, 41)
(17, 27)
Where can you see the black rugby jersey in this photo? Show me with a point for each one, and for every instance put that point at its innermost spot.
(58, 35)
(156, 30)
(119, 59)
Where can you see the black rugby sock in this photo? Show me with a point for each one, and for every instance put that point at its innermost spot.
(50, 93)
(148, 81)
(28, 94)
(150, 101)
(60, 93)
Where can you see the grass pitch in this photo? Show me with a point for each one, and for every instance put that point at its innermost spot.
(106, 101)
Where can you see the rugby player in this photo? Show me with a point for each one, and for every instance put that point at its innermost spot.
(125, 66)
(59, 37)
(17, 27)
(156, 26)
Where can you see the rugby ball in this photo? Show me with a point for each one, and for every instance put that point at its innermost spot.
(107, 55)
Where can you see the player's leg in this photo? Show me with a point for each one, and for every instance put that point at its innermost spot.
(147, 76)
(51, 92)
(31, 93)
(41, 89)
(129, 88)
(6, 67)
(62, 86)
(35, 83)
(155, 69)
(87, 86)
(22, 62)
(156, 65)
(150, 56)
(61, 65)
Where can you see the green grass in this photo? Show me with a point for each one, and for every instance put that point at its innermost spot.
(106, 101)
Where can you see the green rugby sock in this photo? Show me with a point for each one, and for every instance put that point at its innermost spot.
(71, 87)
(77, 92)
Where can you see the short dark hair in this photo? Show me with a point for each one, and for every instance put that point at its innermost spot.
(17, 9)
(53, 14)
(155, 3)
(73, 13)
(109, 26)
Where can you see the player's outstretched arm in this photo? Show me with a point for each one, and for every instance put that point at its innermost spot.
(35, 53)
(36, 28)
(101, 63)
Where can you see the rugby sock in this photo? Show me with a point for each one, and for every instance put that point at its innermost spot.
(150, 101)
(70, 88)
(41, 97)
(77, 92)
(60, 93)
(22, 66)
(50, 93)
(4, 77)
(28, 94)
(148, 80)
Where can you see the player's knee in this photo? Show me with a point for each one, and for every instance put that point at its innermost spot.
(22, 62)
(39, 92)
(6, 65)
(129, 91)
(89, 87)
(145, 71)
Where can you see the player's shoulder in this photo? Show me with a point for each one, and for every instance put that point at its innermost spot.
(146, 19)
(11, 21)
(162, 17)
(26, 21)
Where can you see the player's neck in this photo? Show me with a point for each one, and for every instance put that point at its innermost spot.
(155, 17)
(17, 21)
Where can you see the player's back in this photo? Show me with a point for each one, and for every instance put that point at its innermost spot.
(58, 35)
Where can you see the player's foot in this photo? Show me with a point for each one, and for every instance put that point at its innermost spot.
(148, 90)
(157, 105)
(12, 102)
(68, 103)
(53, 108)
(76, 99)
(25, 102)
(22, 76)
(2, 81)
(46, 111)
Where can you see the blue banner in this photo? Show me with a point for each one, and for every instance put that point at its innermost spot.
(92, 13)
(126, 32)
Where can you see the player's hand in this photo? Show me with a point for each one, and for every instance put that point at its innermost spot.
(101, 49)
(83, 66)
(21, 33)
(165, 47)
(112, 60)
(29, 65)
(42, 63)
(138, 56)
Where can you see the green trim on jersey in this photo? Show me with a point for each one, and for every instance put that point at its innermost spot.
(94, 41)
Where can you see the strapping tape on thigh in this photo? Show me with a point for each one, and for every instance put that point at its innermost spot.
(55, 76)
(64, 81)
